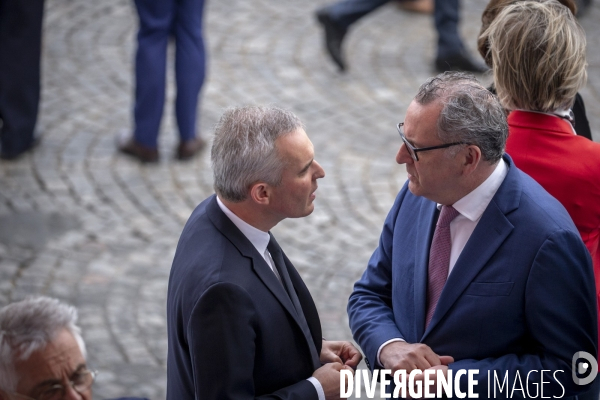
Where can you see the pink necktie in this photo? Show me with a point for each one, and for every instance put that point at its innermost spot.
(439, 259)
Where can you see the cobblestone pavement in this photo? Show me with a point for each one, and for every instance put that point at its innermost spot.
(98, 230)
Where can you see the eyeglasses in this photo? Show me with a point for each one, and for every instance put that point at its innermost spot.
(412, 150)
(81, 381)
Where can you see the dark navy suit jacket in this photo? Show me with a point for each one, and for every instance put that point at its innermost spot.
(521, 296)
(233, 330)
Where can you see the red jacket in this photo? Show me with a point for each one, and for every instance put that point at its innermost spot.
(566, 165)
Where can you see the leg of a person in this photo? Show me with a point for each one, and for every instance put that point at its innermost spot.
(190, 64)
(346, 12)
(150, 63)
(446, 16)
(20, 49)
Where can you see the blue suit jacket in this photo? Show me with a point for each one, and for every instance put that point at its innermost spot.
(521, 296)
(233, 330)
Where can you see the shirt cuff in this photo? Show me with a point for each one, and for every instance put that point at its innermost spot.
(318, 387)
(385, 344)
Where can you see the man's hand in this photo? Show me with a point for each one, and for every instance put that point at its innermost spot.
(409, 356)
(329, 378)
(341, 352)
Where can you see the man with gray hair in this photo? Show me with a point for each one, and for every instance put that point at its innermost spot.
(42, 353)
(241, 322)
(478, 268)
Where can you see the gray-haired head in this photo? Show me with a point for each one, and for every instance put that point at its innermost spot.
(244, 150)
(470, 113)
(28, 326)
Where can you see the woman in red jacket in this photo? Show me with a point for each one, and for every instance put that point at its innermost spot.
(538, 55)
(491, 11)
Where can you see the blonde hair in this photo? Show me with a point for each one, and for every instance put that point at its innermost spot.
(490, 13)
(538, 56)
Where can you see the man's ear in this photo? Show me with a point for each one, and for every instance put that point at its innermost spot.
(472, 159)
(260, 193)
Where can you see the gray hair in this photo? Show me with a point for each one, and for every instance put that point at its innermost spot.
(28, 326)
(244, 150)
(470, 113)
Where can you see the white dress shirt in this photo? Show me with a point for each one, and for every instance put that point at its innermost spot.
(471, 208)
(260, 240)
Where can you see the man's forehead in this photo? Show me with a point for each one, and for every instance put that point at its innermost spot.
(418, 115)
(60, 357)
(431, 106)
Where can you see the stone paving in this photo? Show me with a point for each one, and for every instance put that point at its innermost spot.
(81, 223)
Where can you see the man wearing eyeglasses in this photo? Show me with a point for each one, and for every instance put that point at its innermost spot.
(42, 353)
(478, 267)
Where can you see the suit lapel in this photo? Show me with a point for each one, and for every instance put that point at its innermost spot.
(266, 275)
(489, 234)
(246, 249)
(299, 317)
(263, 271)
(482, 245)
(427, 218)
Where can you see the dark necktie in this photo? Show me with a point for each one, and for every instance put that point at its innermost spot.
(277, 256)
(439, 259)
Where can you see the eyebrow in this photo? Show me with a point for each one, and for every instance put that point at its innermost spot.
(50, 382)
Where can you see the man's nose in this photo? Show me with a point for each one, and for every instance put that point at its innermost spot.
(320, 172)
(402, 156)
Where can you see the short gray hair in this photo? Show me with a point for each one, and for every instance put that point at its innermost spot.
(244, 150)
(470, 113)
(28, 326)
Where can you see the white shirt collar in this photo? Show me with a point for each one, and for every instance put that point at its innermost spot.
(566, 114)
(474, 204)
(561, 112)
(259, 239)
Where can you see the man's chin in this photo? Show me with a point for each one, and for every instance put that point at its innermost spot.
(310, 209)
(304, 213)
(414, 188)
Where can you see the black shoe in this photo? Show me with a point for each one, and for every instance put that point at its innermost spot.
(460, 62)
(334, 35)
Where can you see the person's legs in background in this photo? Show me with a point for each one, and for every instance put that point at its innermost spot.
(190, 67)
(156, 18)
(337, 18)
(20, 53)
(347, 12)
(446, 17)
(451, 54)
